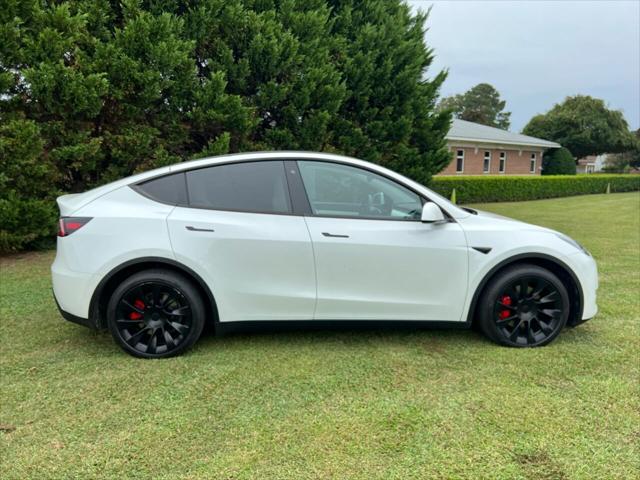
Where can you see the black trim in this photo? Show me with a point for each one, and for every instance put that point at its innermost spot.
(85, 322)
(297, 192)
(293, 189)
(310, 325)
(97, 293)
(186, 189)
(521, 257)
(484, 250)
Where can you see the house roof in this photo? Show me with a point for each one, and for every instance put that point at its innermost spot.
(464, 131)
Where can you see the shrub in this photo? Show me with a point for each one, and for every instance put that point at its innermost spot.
(114, 88)
(519, 188)
(27, 208)
(558, 162)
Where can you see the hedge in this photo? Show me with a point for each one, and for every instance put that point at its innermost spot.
(519, 188)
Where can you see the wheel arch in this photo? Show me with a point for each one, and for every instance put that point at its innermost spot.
(102, 293)
(556, 266)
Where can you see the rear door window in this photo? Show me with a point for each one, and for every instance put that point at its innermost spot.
(259, 187)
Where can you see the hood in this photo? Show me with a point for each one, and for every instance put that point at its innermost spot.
(484, 214)
(492, 221)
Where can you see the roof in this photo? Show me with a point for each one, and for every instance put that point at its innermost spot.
(461, 130)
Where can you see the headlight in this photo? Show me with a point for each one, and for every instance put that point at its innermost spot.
(572, 242)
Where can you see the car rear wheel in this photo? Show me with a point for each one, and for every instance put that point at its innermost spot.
(524, 306)
(155, 314)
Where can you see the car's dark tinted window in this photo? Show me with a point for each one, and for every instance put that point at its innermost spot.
(248, 187)
(168, 189)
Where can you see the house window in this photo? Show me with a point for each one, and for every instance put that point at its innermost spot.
(503, 162)
(460, 161)
(532, 167)
(486, 165)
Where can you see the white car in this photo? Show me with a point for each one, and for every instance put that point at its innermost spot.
(289, 237)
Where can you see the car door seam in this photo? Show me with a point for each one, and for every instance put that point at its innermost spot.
(166, 224)
(315, 266)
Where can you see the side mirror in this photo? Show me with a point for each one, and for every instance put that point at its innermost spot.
(431, 213)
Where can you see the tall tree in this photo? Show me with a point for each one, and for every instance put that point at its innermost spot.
(622, 162)
(101, 89)
(480, 104)
(584, 125)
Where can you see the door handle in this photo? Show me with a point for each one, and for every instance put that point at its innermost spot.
(195, 229)
(326, 234)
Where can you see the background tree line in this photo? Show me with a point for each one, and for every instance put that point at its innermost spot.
(94, 90)
(583, 125)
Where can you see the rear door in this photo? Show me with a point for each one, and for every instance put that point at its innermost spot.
(239, 230)
(375, 259)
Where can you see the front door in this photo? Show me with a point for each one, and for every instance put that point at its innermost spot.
(374, 258)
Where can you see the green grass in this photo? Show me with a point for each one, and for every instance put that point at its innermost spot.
(376, 404)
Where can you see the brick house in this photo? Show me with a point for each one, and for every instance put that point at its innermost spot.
(481, 150)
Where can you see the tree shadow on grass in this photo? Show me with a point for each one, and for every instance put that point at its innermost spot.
(365, 333)
(275, 336)
(432, 339)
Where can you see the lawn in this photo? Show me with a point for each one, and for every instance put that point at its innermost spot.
(368, 404)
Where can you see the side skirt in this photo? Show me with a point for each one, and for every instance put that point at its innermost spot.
(338, 325)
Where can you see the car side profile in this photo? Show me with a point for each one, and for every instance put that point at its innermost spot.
(285, 237)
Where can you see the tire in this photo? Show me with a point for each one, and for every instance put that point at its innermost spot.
(523, 306)
(155, 314)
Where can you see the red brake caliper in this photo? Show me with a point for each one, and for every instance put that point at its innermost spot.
(135, 315)
(505, 300)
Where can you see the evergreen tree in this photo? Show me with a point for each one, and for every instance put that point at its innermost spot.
(94, 90)
(558, 161)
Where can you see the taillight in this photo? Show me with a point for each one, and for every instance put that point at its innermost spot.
(68, 225)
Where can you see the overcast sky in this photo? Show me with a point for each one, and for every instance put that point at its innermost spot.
(538, 52)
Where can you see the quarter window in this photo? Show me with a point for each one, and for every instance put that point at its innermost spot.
(259, 187)
(336, 190)
(486, 165)
(460, 161)
(168, 189)
(503, 162)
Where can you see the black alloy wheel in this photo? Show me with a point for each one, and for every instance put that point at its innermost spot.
(525, 306)
(155, 314)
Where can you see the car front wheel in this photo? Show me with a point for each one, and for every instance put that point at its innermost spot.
(524, 306)
(155, 314)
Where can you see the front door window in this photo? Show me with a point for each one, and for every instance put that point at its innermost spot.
(336, 190)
